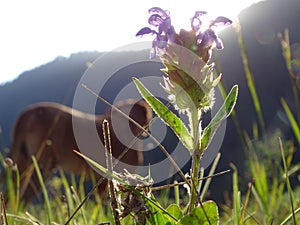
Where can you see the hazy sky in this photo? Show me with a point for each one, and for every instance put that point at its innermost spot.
(36, 32)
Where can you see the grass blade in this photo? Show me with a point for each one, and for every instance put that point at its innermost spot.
(236, 197)
(3, 218)
(46, 197)
(244, 208)
(292, 119)
(77, 201)
(290, 191)
(211, 172)
(249, 77)
(290, 216)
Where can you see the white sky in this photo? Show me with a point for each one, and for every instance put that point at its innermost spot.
(34, 32)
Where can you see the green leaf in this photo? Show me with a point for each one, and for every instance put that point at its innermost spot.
(166, 115)
(222, 114)
(160, 218)
(292, 119)
(175, 211)
(198, 216)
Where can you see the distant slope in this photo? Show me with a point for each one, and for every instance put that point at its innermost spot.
(54, 81)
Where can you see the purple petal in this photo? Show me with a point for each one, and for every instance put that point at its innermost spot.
(159, 11)
(219, 43)
(152, 53)
(221, 21)
(200, 13)
(171, 34)
(162, 41)
(155, 43)
(208, 37)
(155, 20)
(213, 38)
(145, 30)
(200, 37)
(196, 24)
(165, 26)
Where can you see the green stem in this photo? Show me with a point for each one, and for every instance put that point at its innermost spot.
(286, 52)
(249, 76)
(194, 180)
(196, 131)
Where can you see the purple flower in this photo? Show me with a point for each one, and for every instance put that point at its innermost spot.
(208, 37)
(200, 39)
(160, 19)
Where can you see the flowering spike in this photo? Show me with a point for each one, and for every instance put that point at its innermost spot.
(190, 80)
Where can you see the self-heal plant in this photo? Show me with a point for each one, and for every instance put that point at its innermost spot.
(189, 81)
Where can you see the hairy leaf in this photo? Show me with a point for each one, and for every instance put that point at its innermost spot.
(222, 114)
(166, 115)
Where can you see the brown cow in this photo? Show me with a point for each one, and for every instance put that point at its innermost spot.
(45, 130)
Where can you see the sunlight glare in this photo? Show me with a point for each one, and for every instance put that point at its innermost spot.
(183, 11)
(32, 34)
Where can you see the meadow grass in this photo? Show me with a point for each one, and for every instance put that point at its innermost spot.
(266, 201)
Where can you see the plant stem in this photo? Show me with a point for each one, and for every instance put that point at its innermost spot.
(195, 116)
(194, 180)
(249, 77)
